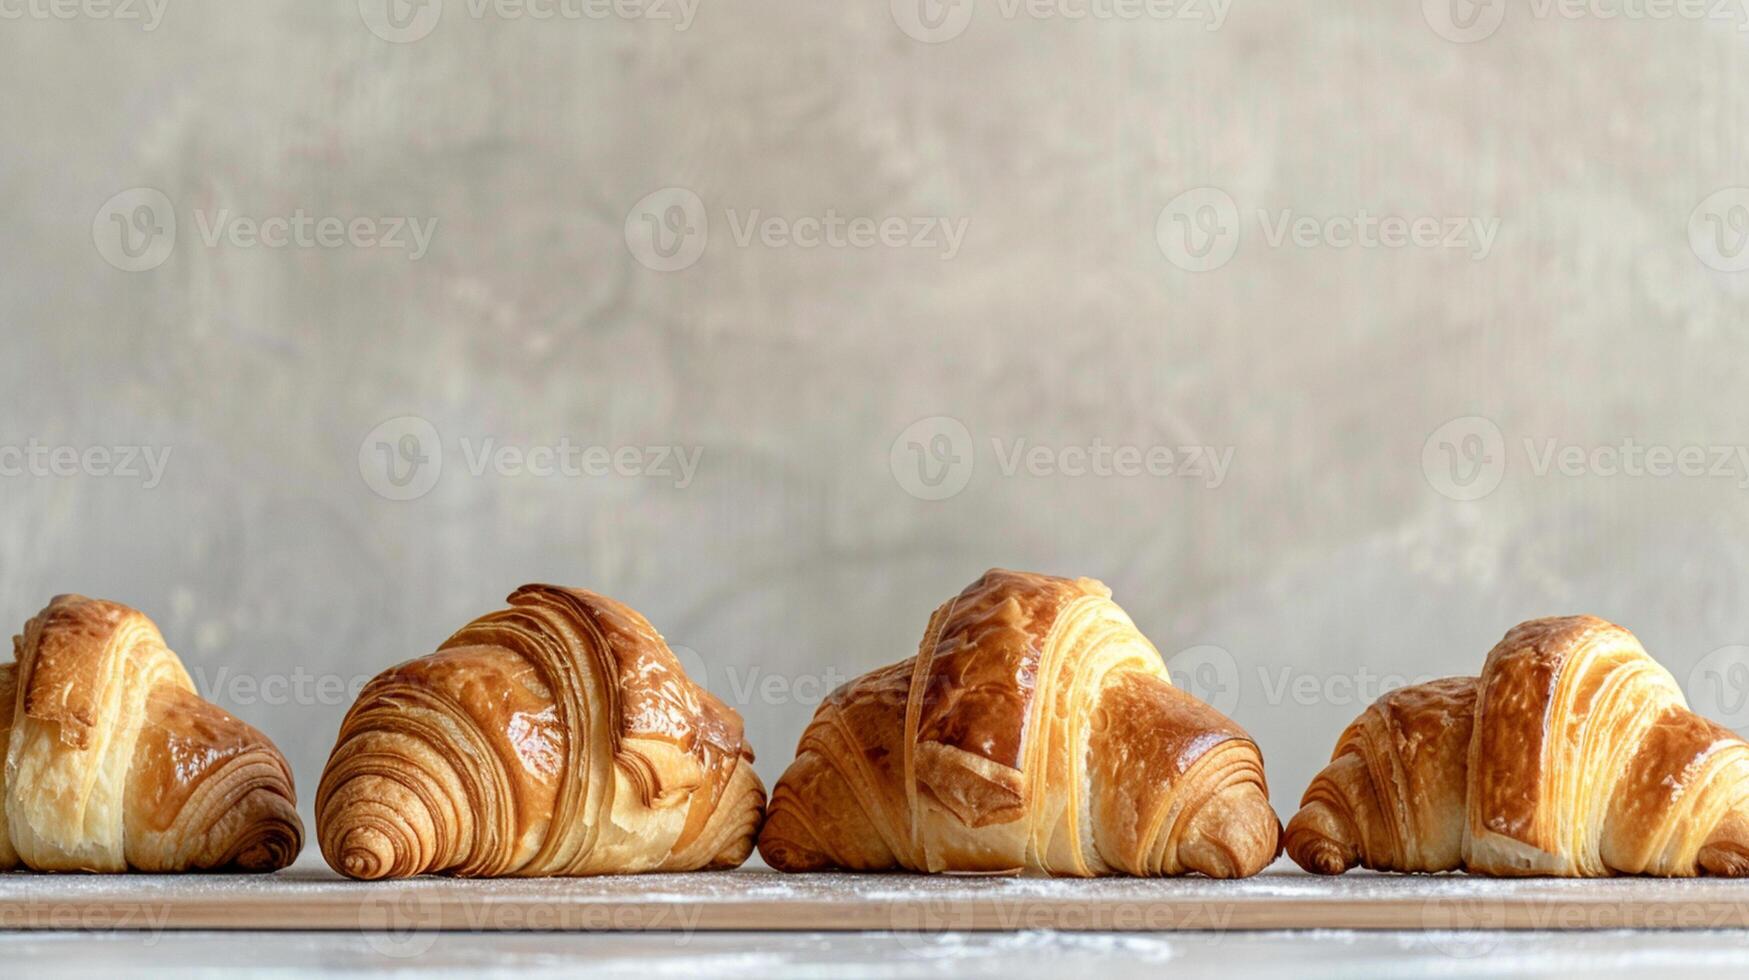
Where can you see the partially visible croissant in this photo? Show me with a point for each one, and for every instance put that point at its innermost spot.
(1573, 754)
(559, 736)
(1035, 730)
(113, 762)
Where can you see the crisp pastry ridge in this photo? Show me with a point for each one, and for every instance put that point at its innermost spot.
(558, 736)
(1574, 754)
(1036, 730)
(113, 762)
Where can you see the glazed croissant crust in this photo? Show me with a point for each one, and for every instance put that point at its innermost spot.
(113, 762)
(1574, 754)
(1035, 730)
(559, 736)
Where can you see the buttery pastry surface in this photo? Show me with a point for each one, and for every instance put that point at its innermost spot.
(113, 762)
(1035, 730)
(559, 736)
(1573, 754)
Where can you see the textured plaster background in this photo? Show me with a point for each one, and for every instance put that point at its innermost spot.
(798, 555)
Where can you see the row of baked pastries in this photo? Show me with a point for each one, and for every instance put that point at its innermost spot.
(1036, 730)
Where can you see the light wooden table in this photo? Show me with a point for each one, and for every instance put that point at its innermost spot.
(309, 896)
(758, 923)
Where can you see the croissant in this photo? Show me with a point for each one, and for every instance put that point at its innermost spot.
(559, 736)
(1573, 754)
(1035, 730)
(114, 762)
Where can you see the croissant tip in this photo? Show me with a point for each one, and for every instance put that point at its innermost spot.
(361, 855)
(1321, 856)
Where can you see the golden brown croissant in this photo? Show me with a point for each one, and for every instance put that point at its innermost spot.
(114, 762)
(559, 736)
(1573, 754)
(1036, 729)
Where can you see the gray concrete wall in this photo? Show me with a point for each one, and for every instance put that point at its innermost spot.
(670, 231)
